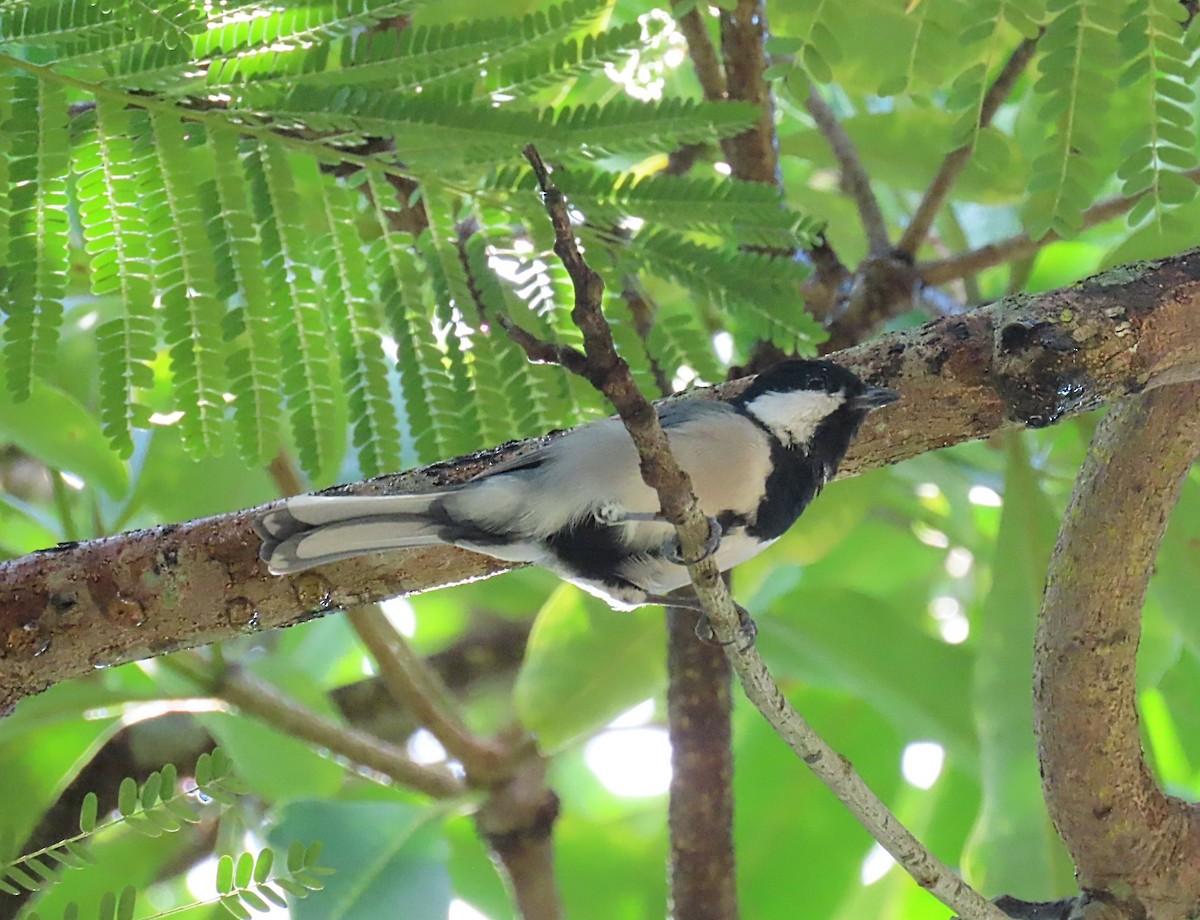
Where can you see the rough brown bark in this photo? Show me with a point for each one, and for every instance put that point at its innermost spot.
(1134, 846)
(1028, 360)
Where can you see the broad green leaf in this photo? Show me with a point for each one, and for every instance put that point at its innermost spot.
(53, 426)
(772, 786)
(585, 664)
(43, 746)
(258, 750)
(1013, 846)
(389, 858)
(873, 651)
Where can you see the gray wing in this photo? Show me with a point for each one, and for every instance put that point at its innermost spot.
(672, 413)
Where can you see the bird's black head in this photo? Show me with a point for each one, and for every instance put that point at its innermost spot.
(799, 400)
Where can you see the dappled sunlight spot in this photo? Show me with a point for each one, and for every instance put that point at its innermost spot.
(875, 865)
(929, 536)
(461, 910)
(985, 497)
(959, 562)
(631, 762)
(952, 622)
(722, 168)
(723, 346)
(636, 717)
(928, 491)
(684, 378)
(200, 878)
(955, 632)
(424, 748)
(166, 418)
(643, 73)
(72, 481)
(399, 612)
(921, 763)
(133, 713)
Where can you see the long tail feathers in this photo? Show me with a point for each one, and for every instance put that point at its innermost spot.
(310, 530)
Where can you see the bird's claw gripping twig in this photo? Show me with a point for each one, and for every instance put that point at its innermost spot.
(674, 552)
(746, 632)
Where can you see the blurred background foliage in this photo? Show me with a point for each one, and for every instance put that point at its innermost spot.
(898, 616)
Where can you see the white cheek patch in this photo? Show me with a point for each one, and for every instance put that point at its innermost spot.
(794, 417)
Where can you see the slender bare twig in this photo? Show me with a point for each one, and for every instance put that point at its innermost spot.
(1128, 838)
(956, 160)
(1022, 246)
(264, 702)
(661, 472)
(412, 683)
(844, 782)
(854, 174)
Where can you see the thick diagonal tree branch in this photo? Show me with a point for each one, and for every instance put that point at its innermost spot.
(1027, 360)
(1133, 845)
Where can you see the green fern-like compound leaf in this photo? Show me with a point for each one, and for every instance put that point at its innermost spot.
(187, 289)
(35, 273)
(451, 391)
(254, 367)
(399, 277)
(293, 24)
(297, 309)
(1080, 58)
(1158, 64)
(116, 237)
(364, 371)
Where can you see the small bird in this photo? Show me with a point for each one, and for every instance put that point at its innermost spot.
(578, 506)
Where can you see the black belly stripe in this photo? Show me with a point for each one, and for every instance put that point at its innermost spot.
(590, 550)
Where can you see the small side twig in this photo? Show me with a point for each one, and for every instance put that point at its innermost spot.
(854, 174)
(264, 702)
(413, 684)
(611, 375)
(753, 154)
(1022, 246)
(956, 161)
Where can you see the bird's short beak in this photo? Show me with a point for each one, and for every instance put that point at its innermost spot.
(875, 398)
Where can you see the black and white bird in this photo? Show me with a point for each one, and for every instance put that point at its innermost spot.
(578, 505)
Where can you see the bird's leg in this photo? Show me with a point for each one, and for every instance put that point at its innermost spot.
(674, 552)
(747, 628)
(611, 514)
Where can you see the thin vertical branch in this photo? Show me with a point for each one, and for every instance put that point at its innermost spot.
(854, 174)
(702, 52)
(753, 154)
(699, 704)
(956, 161)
